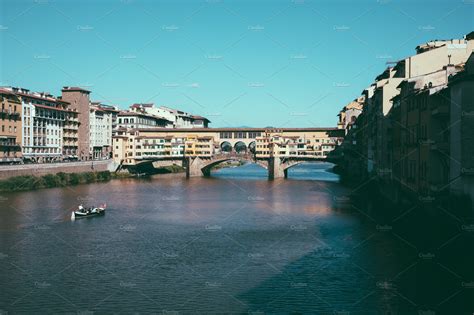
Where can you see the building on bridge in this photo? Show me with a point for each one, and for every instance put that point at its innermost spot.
(199, 146)
(133, 147)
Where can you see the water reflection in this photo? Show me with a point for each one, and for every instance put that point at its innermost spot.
(234, 242)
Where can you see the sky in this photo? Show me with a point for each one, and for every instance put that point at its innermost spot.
(239, 63)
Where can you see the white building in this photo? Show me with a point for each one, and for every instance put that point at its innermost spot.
(100, 128)
(132, 119)
(177, 118)
(43, 118)
(175, 146)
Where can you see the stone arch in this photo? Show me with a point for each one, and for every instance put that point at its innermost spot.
(225, 146)
(291, 164)
(240, 147)
(198, 166)
(252, 146)
(206, 169)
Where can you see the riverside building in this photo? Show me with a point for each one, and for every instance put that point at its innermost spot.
(414, 134)
(43, 120)
(10, 127)
(101, 125)
(79, 100)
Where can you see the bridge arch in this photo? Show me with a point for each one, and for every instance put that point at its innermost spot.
(240, 147)
(252, 146)
(225, 146)
(288, 165)
(203, 167)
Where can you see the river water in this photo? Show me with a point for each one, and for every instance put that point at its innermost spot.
(231, 243)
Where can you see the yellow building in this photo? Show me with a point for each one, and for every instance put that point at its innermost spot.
(202, 146)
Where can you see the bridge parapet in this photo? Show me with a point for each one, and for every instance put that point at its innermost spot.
(234, 155)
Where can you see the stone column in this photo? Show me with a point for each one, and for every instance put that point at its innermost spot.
(194, 167)
(275, 168)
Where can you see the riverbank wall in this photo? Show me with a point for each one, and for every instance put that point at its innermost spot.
(8, 171)
(394, 194)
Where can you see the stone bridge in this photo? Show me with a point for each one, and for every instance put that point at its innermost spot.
(277, 167)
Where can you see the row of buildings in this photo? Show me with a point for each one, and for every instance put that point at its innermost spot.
(411, 129)
(38, 127)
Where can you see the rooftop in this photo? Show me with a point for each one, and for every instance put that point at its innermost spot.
(197, 117)
(74, 89)
(236, 129)
(128, 113)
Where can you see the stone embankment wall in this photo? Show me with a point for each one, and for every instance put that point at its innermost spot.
(7, 171)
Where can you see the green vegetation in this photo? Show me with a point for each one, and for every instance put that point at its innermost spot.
(30, 182)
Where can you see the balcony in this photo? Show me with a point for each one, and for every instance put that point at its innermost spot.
(70, 144)
(9, 113)
(11, 146)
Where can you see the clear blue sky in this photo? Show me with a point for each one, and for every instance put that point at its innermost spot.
(253, 63)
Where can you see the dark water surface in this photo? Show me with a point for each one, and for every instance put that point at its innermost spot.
(233, 243)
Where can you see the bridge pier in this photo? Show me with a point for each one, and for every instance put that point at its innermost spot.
(195, 166)
(276, 168)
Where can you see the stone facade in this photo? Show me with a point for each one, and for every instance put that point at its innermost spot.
(79, 101)
(414, 134)
(10, 127)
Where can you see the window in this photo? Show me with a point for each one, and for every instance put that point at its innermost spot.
(225, 135)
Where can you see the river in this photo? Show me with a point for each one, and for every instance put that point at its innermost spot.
(231, 243)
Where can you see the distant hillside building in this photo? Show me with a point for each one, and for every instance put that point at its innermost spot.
(127, 119)
(178, 118)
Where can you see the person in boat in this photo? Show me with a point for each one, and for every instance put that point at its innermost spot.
(81, 208)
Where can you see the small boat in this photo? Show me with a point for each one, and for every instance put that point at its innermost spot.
(87, 212)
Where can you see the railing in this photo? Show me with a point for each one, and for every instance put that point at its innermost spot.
(9, 145)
